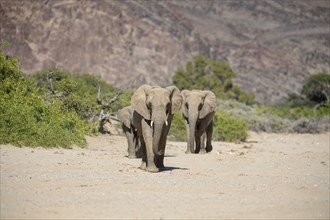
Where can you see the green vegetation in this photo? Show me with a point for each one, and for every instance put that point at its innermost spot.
(51, 108)
(316, 88)
(312, 102)
(207, 74)
(276, 119)
(54, 108)
(307, 112)
(226, 128)
(77, 91)
(178, 129)
(27, 119)
(229, 128)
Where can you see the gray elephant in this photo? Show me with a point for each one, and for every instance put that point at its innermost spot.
(198, 110)
(125, 116)
(153, 109)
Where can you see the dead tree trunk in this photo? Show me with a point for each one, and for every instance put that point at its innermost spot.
(105, 118)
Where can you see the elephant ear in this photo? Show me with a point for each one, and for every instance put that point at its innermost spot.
(138, 101)
(210, 103)
(176, 99)
(125, 115)
(184, 108)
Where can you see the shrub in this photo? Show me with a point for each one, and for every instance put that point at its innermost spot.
(228, 128)
(317, 87)
(178, 128)
(27, 119)
(313, 125)
(278, 119)
(9, 67)
(207, 74)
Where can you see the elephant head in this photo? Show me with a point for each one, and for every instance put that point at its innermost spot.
(155, 105)
(125, 115)
(198, 107)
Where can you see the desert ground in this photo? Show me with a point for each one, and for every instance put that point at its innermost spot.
(270, 176)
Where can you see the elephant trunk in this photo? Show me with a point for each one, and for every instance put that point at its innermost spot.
(192, 130)
(157, 129)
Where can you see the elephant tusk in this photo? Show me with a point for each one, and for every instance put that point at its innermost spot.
(166, 123)
(152, 122)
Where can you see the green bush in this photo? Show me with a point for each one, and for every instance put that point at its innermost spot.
(228, 128)
(27, 119)
(77, 91)
(9, 67)
(207, 74)
(317, 87)
(178, 129)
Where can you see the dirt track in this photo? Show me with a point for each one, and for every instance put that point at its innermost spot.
(271, 176)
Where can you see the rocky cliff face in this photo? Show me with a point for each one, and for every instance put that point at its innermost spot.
(271, 45)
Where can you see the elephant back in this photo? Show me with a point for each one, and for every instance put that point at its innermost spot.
(125, 115)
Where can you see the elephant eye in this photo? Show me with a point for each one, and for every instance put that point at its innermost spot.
(149, 106)
(168, 106)
(187, 106)
(200, 106)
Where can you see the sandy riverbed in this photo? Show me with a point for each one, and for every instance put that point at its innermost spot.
(270, 176)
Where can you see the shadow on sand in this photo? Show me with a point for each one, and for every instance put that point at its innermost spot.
(172, 168)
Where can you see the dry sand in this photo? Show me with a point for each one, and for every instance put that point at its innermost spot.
(271, 176)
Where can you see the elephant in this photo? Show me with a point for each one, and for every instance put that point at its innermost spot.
(125, 116)
(198, 110)
(153, 109)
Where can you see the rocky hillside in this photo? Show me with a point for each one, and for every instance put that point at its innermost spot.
(271, 45)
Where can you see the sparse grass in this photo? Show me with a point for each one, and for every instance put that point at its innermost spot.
(279, 119)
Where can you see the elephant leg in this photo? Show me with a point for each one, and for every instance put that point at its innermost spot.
(130, 142)
(148, 138)
(209, 132)
(198, 142)
(143, 165)
(202, 144)
(137, 144)
(160, 159)
(162, 143)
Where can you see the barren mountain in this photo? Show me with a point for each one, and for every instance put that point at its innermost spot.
(271, 45)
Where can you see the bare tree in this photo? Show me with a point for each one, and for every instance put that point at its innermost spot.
(105, 105)
(50, 79)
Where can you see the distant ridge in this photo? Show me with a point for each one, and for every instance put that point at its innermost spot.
(271, 45)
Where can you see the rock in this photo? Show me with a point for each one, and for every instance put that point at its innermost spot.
(271, 45)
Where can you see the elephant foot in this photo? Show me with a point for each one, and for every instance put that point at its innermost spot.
(132, 156)
(138, 155)
(209, 148)
(152, 169)
(188, 152)
(143, 166)
(202, 151)
(161, 167)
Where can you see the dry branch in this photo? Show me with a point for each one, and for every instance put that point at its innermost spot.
(104, 118)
